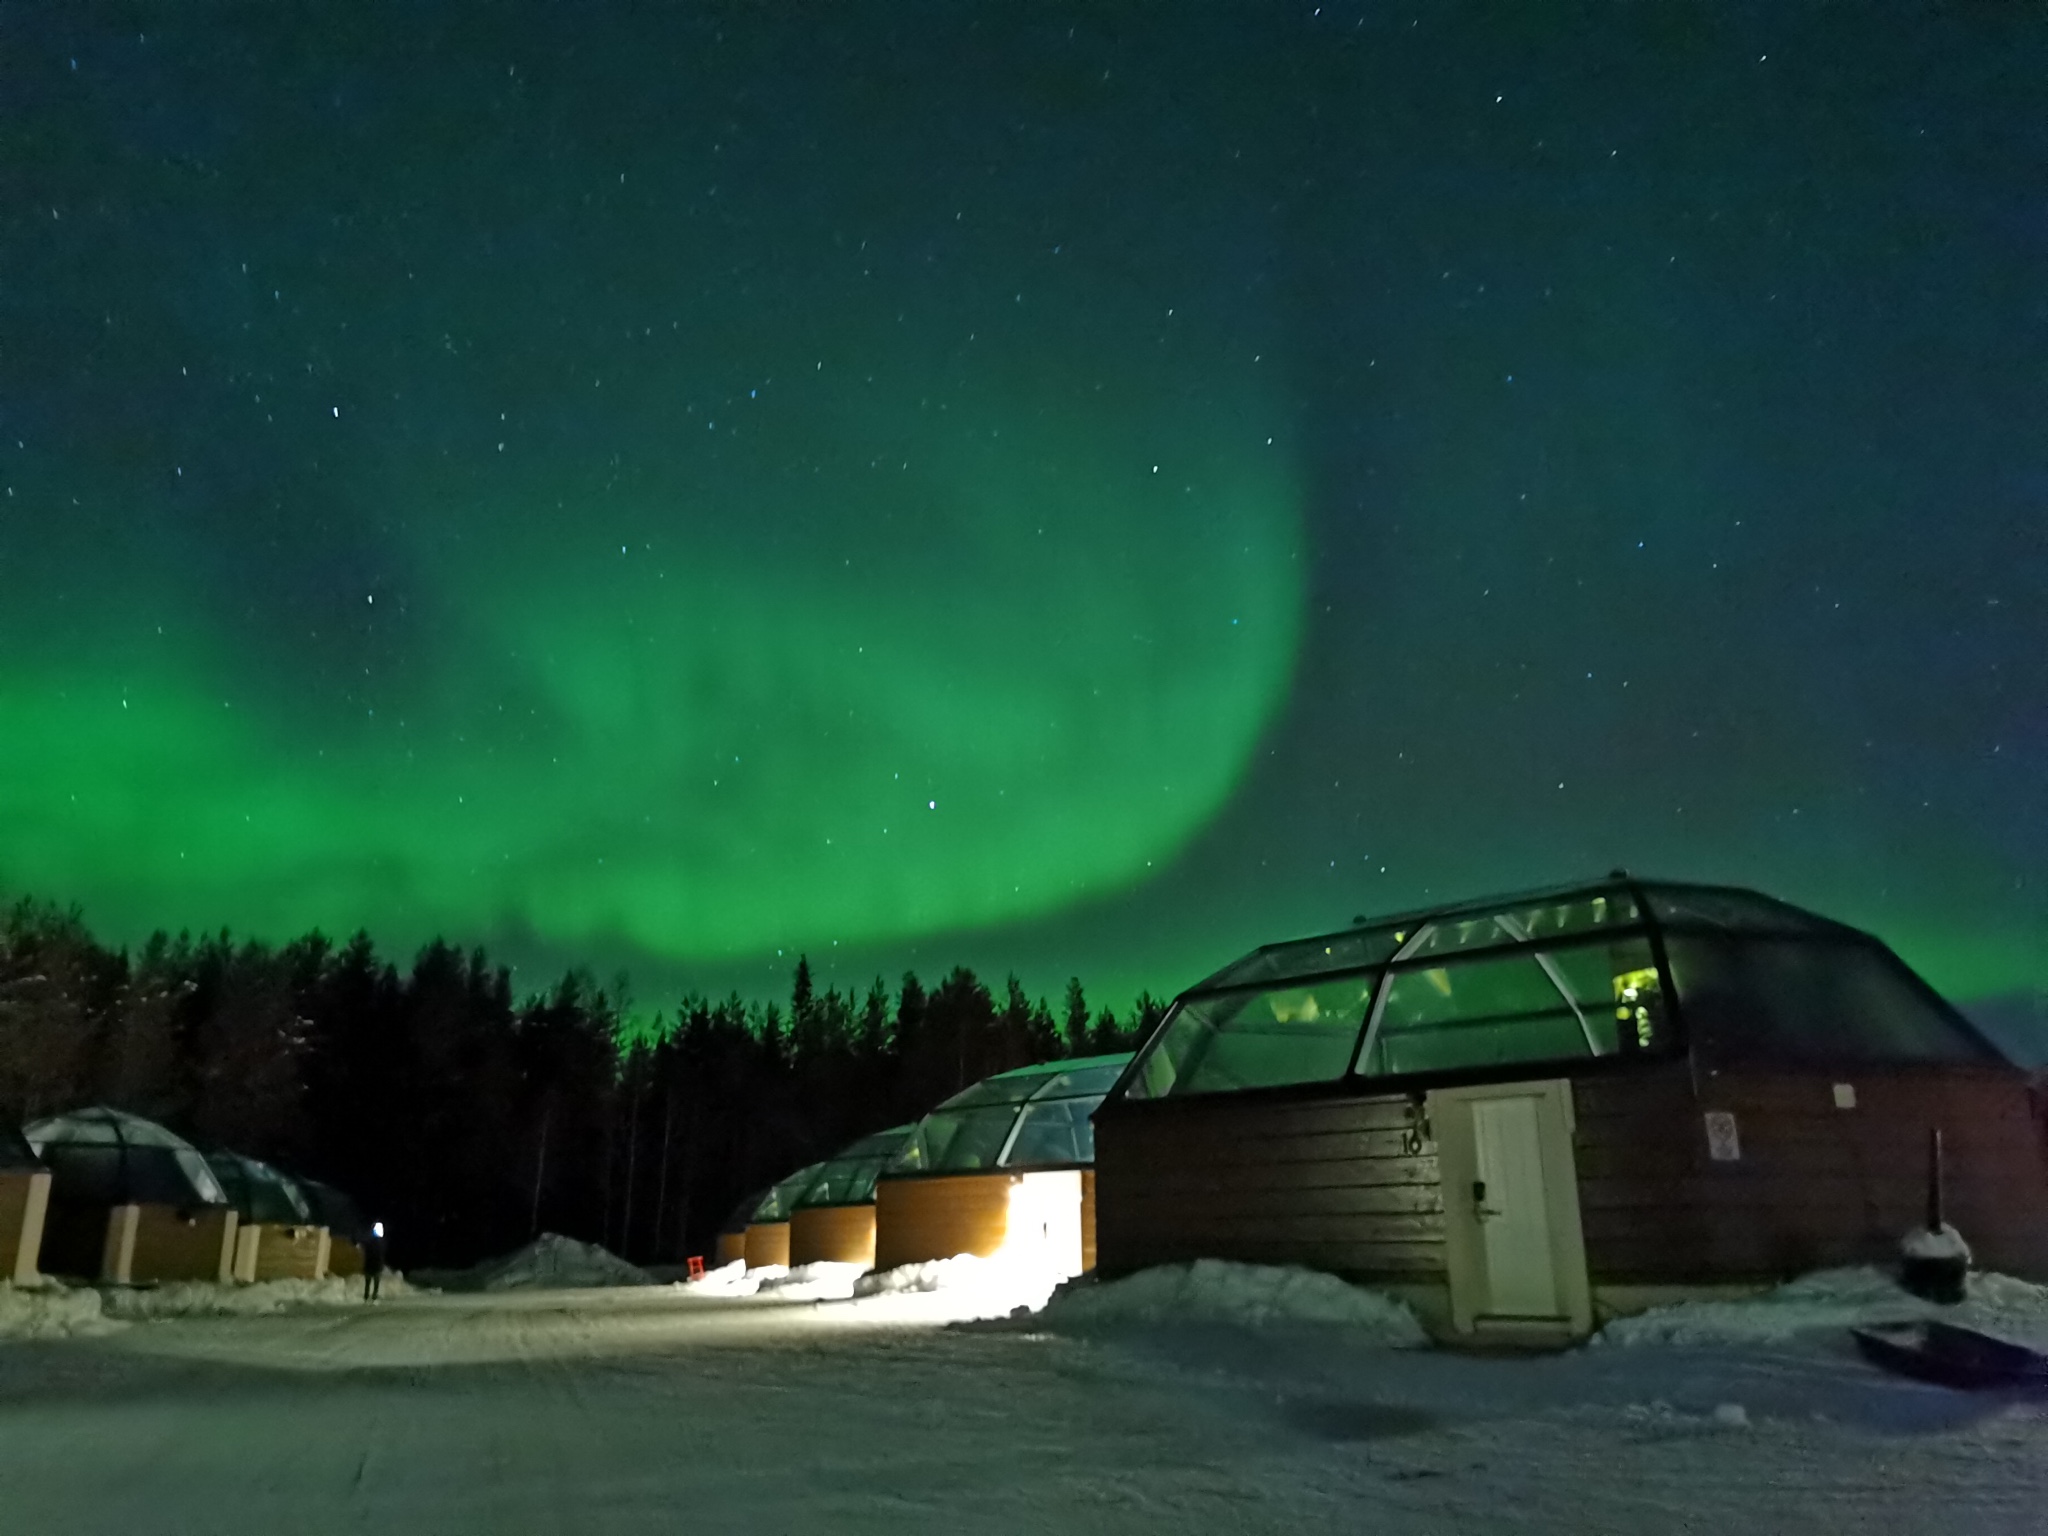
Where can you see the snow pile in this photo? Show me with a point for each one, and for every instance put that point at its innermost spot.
(1244, 1295)
(550, 1262)
(50, 1311)
(726, 1280)
(203, 1298)
(985, 1287)
(1829, 1301)
(821, 1281)
(1652, 1422)
(1925, 1244)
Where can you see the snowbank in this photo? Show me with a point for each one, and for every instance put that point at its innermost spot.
(50, 1311)
(822, 1281)
(1244, 1295)
(200, 1298)
(1926, 1244)
(727, 1280)
(1829, 1301)
(807, 1282)
(550, 1262)
(977, 1287)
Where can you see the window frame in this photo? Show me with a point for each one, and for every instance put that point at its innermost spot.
(1675, 1044)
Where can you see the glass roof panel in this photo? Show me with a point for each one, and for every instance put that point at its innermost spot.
(971, 1131)
(1842, 1002)
(137, 1159)
(1527, 1005)
(782, 1196)
(1257, 1038)
(1550, 977)
(848, 1178)
(1734, 911)
(1082, 1082)
(1054, 1132)
(1323, 955)
(1524, 923)
(258, 1191)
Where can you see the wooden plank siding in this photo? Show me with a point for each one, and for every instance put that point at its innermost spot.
(833, 1234)
(1816, 1185)
(938, 1216)
(1346, 1185)
(767, 1243)
(24, 1200)
(172, 1244)
(1343, 1185)
(1087, 1220)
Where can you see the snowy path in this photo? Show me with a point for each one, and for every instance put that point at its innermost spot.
(641, 1411)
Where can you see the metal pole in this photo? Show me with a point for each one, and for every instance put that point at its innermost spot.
(1934, 1216)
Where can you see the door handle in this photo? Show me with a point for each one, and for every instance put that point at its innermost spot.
(1479, 1206)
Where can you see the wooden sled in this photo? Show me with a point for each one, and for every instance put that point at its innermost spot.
(1952, 1356)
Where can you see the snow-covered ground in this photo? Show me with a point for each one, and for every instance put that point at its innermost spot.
(51, 1311)
(1832, 1300)
(659, 1408)
(549, 1262)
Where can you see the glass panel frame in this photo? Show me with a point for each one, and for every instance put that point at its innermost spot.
(1204, 1024)
(1168, 1065)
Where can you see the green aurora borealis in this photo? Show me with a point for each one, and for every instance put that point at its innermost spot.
(1064, 494)
(1013, 669)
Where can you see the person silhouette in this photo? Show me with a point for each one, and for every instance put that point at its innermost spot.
(373, 1262)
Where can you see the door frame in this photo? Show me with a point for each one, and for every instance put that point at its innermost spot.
(1450, 1117)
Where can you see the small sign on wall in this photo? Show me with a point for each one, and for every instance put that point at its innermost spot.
(1724, 1142)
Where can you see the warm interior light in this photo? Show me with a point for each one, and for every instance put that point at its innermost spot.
(1043, 1226)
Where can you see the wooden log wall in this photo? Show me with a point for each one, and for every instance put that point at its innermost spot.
(936, 1217)
(767, 1243)
(24, 1200)
(183, 1245)
(290, 1253)
(1087, 1220)
(1346, 1185)
(833, 1234)
(1817, 1184)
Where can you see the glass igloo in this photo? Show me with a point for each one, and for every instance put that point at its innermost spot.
(848, 1176)
(105, 1156)
(259, 1192)
(1552, 982)
(1033, 1117)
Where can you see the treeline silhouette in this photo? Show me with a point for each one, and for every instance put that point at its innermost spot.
(468, 1119)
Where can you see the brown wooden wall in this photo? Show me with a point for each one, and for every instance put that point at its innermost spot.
(767, 1243)
(288, 1253)
(344, 1257)
(24, 1198)
(917, 1220)
(183, 1245)
(1087, 1220)
(833, 1234)
(1338, 1184)
(1344, 1185)
(1815, 1185)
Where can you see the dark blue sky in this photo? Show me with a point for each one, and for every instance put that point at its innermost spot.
(1224, 472)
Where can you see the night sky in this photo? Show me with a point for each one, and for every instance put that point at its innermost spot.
(1073, 490)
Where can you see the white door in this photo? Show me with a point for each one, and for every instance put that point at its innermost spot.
(1045, 1220)
(1513, 1211)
